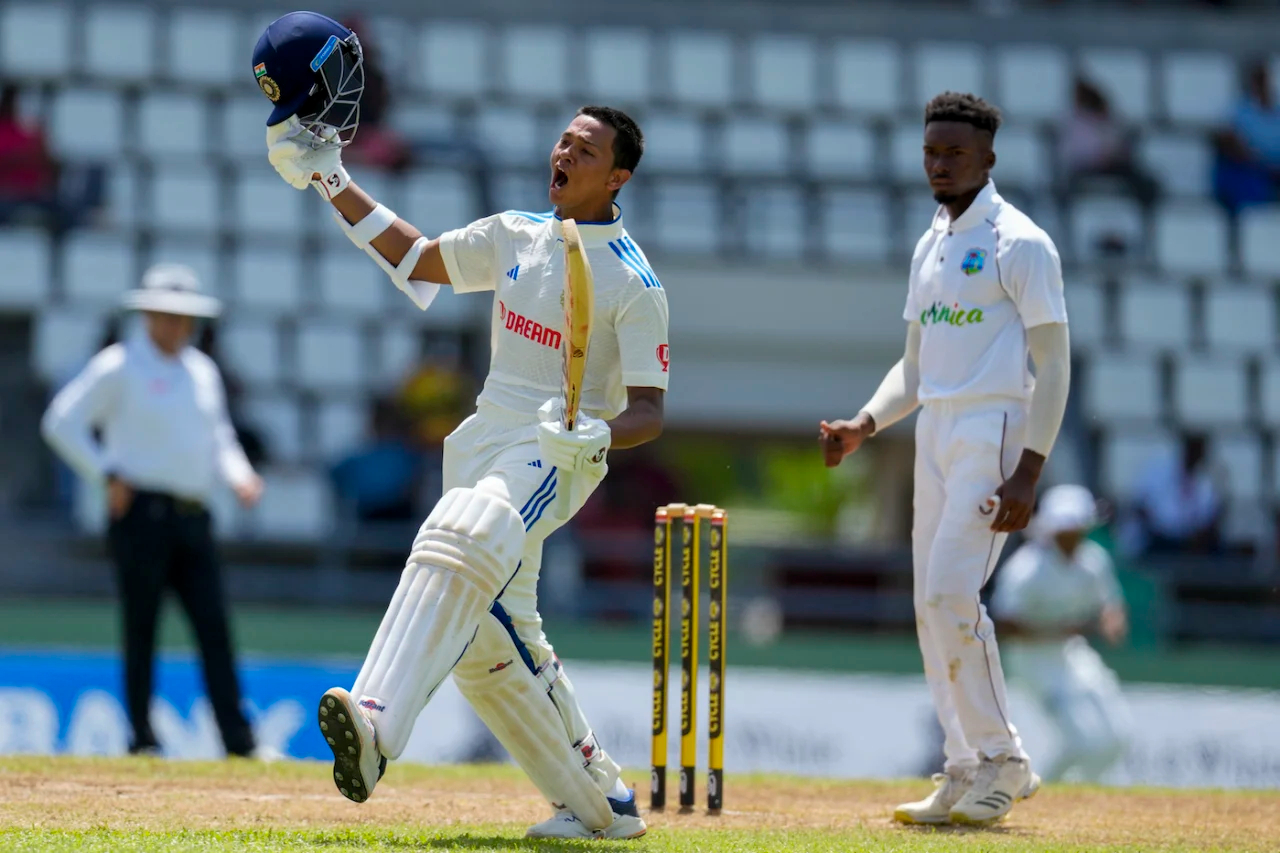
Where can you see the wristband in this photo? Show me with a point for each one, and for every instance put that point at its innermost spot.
(333, 183)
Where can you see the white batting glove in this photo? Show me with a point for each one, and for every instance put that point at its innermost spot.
(581, 451)
(302, 163)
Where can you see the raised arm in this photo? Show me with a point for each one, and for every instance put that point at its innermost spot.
(892, 401)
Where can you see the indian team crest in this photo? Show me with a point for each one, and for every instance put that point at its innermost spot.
(974, 261)
(270, 87)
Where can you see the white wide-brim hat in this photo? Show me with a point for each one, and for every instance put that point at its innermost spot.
(1066, 507)
(172, 289)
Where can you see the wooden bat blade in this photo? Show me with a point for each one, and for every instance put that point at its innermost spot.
(579, 305)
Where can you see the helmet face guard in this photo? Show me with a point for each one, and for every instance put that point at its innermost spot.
(331, 112)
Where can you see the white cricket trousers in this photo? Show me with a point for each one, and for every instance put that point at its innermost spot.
(963, 452)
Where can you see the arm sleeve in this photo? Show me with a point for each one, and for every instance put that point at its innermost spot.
(84, 403)
(232, 462)
(642, 340)
(1050, 346)
(1109, 592)
(1032, 276)
(896, 396)
(911, 311)
(471, 254)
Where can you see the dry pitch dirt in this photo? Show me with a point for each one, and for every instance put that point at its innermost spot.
(154, 796)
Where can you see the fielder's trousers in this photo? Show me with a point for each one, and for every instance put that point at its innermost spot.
(163, 543)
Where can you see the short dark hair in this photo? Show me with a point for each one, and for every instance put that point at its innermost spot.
(628, 144)
(963, 107)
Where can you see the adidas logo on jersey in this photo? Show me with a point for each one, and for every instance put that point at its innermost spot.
(537, 463)
(514, 272)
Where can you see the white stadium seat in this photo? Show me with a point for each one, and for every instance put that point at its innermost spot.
(918, 210)
(27, 254)
(1199, 88)
(351, 284)
(1183, 164)
(1155, 317)
(63, 341)
(340, 427)
(184, 199)
(756, 146)
(701, 68)
(97, 269)
(172, 125)
(438, 200)
(1086, 314)
(783, 72)
(243, 123)
(511, 135)
(278, 417)
(203, 256)
(1122, 387)
(856, 225)
(1210, 392)
(840, 150)
(1126, 455)
(35, 39)
(1024, 158)
(296, 505)
(119, 42)
(203, 46)
(1094, 218)
(1239, 456)
(941, 66)
(1033, 81)
(1259, 228)
(1124, 76)
(1191, 239)
(687, 215)
(87, 123)
(249, 348)
(518, 190)
(330, 355)
(1246, 521)
(399, 352)
(1240, 319)
(674, 142)
(266, 205)
(454, 59)
(422, 120)
(1269, 392)
(267, 280)
(535, 62)
(868, 76)
(619, 65)
(906, 148)
(775, 223)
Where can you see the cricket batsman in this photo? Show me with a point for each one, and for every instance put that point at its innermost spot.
(467, 599)
(984, 291)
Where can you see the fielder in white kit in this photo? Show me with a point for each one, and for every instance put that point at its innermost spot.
(985, 290)
(467, 599)
(1050, 593)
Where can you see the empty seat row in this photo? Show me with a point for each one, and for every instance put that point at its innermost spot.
(792, 72)
(1206, 391)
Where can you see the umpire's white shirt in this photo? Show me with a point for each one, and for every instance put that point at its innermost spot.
(977, 284)
(163, 418)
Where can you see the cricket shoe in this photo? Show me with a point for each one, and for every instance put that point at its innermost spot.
(998, 784)
(627, 823)
(357, 764)
(936, 808)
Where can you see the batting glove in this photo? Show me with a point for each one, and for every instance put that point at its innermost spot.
(305, 160)
(582, 450)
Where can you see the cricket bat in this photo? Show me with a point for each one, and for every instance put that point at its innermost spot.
(579, 305)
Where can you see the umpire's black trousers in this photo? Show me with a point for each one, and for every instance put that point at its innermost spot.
(162, 542)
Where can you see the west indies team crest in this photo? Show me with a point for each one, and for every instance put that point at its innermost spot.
(973, 262)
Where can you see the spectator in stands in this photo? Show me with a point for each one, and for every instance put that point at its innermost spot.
(1246, 165)
(1178, 505)
(380, 481)
(28, 173)
(1093, 144)
(375, 144)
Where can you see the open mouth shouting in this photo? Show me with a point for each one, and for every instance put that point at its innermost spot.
(559, 180)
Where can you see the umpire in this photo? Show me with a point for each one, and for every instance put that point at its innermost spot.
(166, 436)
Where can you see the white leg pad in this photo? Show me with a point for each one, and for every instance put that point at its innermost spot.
(514, 703)
(464, 553)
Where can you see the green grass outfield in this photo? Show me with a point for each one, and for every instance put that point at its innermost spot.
(90, 805)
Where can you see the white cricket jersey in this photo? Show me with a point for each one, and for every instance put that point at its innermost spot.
(1041, 587)
(520, 256)
(976, 285)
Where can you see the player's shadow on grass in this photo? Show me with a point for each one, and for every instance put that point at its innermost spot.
(961, 829)
(480, 842)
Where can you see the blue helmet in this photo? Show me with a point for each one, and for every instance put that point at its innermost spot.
(312, 67)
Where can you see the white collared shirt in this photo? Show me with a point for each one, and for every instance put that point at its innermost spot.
(977, 284)
(163, 418)
(1041, 587)
(520, 256)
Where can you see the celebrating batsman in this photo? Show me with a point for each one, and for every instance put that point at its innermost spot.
(985, 290)
(467, 599)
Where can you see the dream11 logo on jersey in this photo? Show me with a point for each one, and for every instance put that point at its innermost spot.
(664, 356)
(526, 328)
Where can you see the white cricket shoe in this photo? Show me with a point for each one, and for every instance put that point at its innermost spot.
(998, 784)
(936, 808)
(357, 764)
(627, 823)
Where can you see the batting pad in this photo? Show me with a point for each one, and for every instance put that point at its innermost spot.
(513, 702)
(464, 554)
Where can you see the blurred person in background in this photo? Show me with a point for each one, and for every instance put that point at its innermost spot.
(28, 173)
(1053, 591)
(380, 481)
(166, 439)
(1246, 164)
(1177, 506)
(1093, 144)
